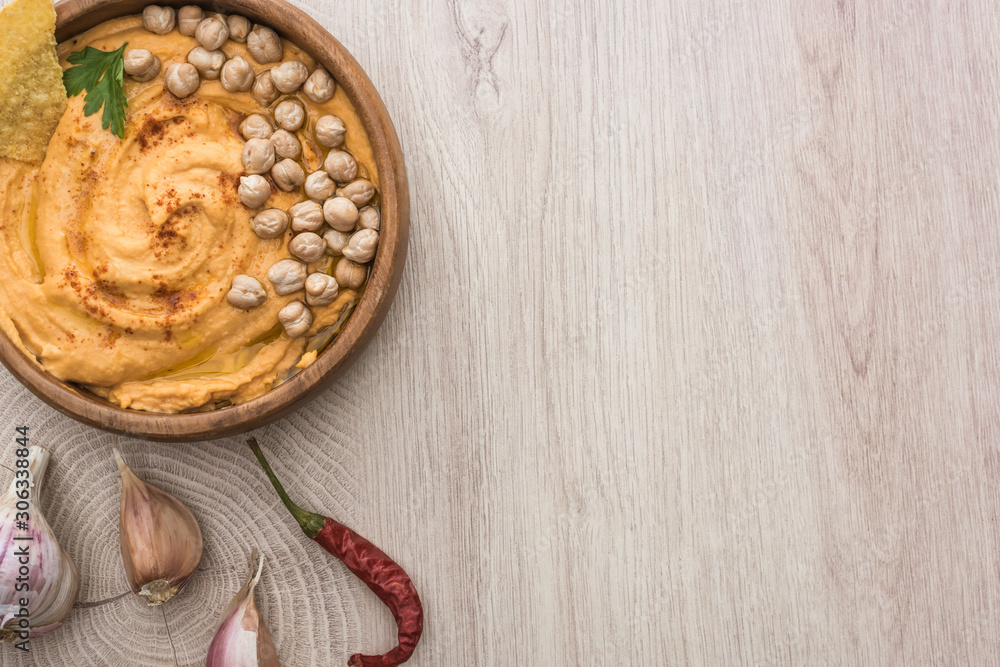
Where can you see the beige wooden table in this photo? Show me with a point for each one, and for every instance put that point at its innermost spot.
(694, 361)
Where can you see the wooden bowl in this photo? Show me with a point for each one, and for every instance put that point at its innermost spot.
(76, 16)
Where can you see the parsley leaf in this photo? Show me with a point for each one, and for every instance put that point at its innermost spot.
(102, 75)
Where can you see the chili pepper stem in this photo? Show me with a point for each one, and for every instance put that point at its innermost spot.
(310, 522)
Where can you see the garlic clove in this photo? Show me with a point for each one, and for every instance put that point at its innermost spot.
(53, 578)
(161, 542)
(242, 638)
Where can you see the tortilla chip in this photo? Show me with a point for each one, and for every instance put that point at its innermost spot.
(32, 96)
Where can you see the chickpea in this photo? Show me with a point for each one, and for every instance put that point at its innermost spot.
(188, 19)
(288, 175)
(307, 216)
(256, 126)
(307, 246)
(239, 28)
(320, 86)
(159, 20)
(320, 186)
(289, 77)
(237, 75)
(270, 223)
(360, 192)
(254, 191)
(321, 289)
(264, 45)
(263, 89)
(286, 145)
(349, 274)
(258, 156)
(289, 115)
(340, 213)
(330, 131)
(362, 246)
(141, 64)
(341, 166)
(212, 33)
(287, 276)
(182, 79)
(370, 218)
(296, 319)
(336, 241)
(208, 63)
(246, 293)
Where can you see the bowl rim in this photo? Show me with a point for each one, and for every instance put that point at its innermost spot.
(75, 17)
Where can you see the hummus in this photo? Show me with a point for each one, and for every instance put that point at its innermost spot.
(116, 255)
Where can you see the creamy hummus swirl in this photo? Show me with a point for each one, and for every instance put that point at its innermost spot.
(118, 253)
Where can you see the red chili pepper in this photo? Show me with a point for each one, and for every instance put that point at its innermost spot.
(379, 572)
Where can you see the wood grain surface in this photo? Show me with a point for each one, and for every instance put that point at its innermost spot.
(693, 361)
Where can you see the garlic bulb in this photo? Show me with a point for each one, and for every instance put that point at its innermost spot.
(160, 539)
(29, 549)
(242, 639)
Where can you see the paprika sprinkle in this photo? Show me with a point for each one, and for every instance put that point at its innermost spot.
(379, 572)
